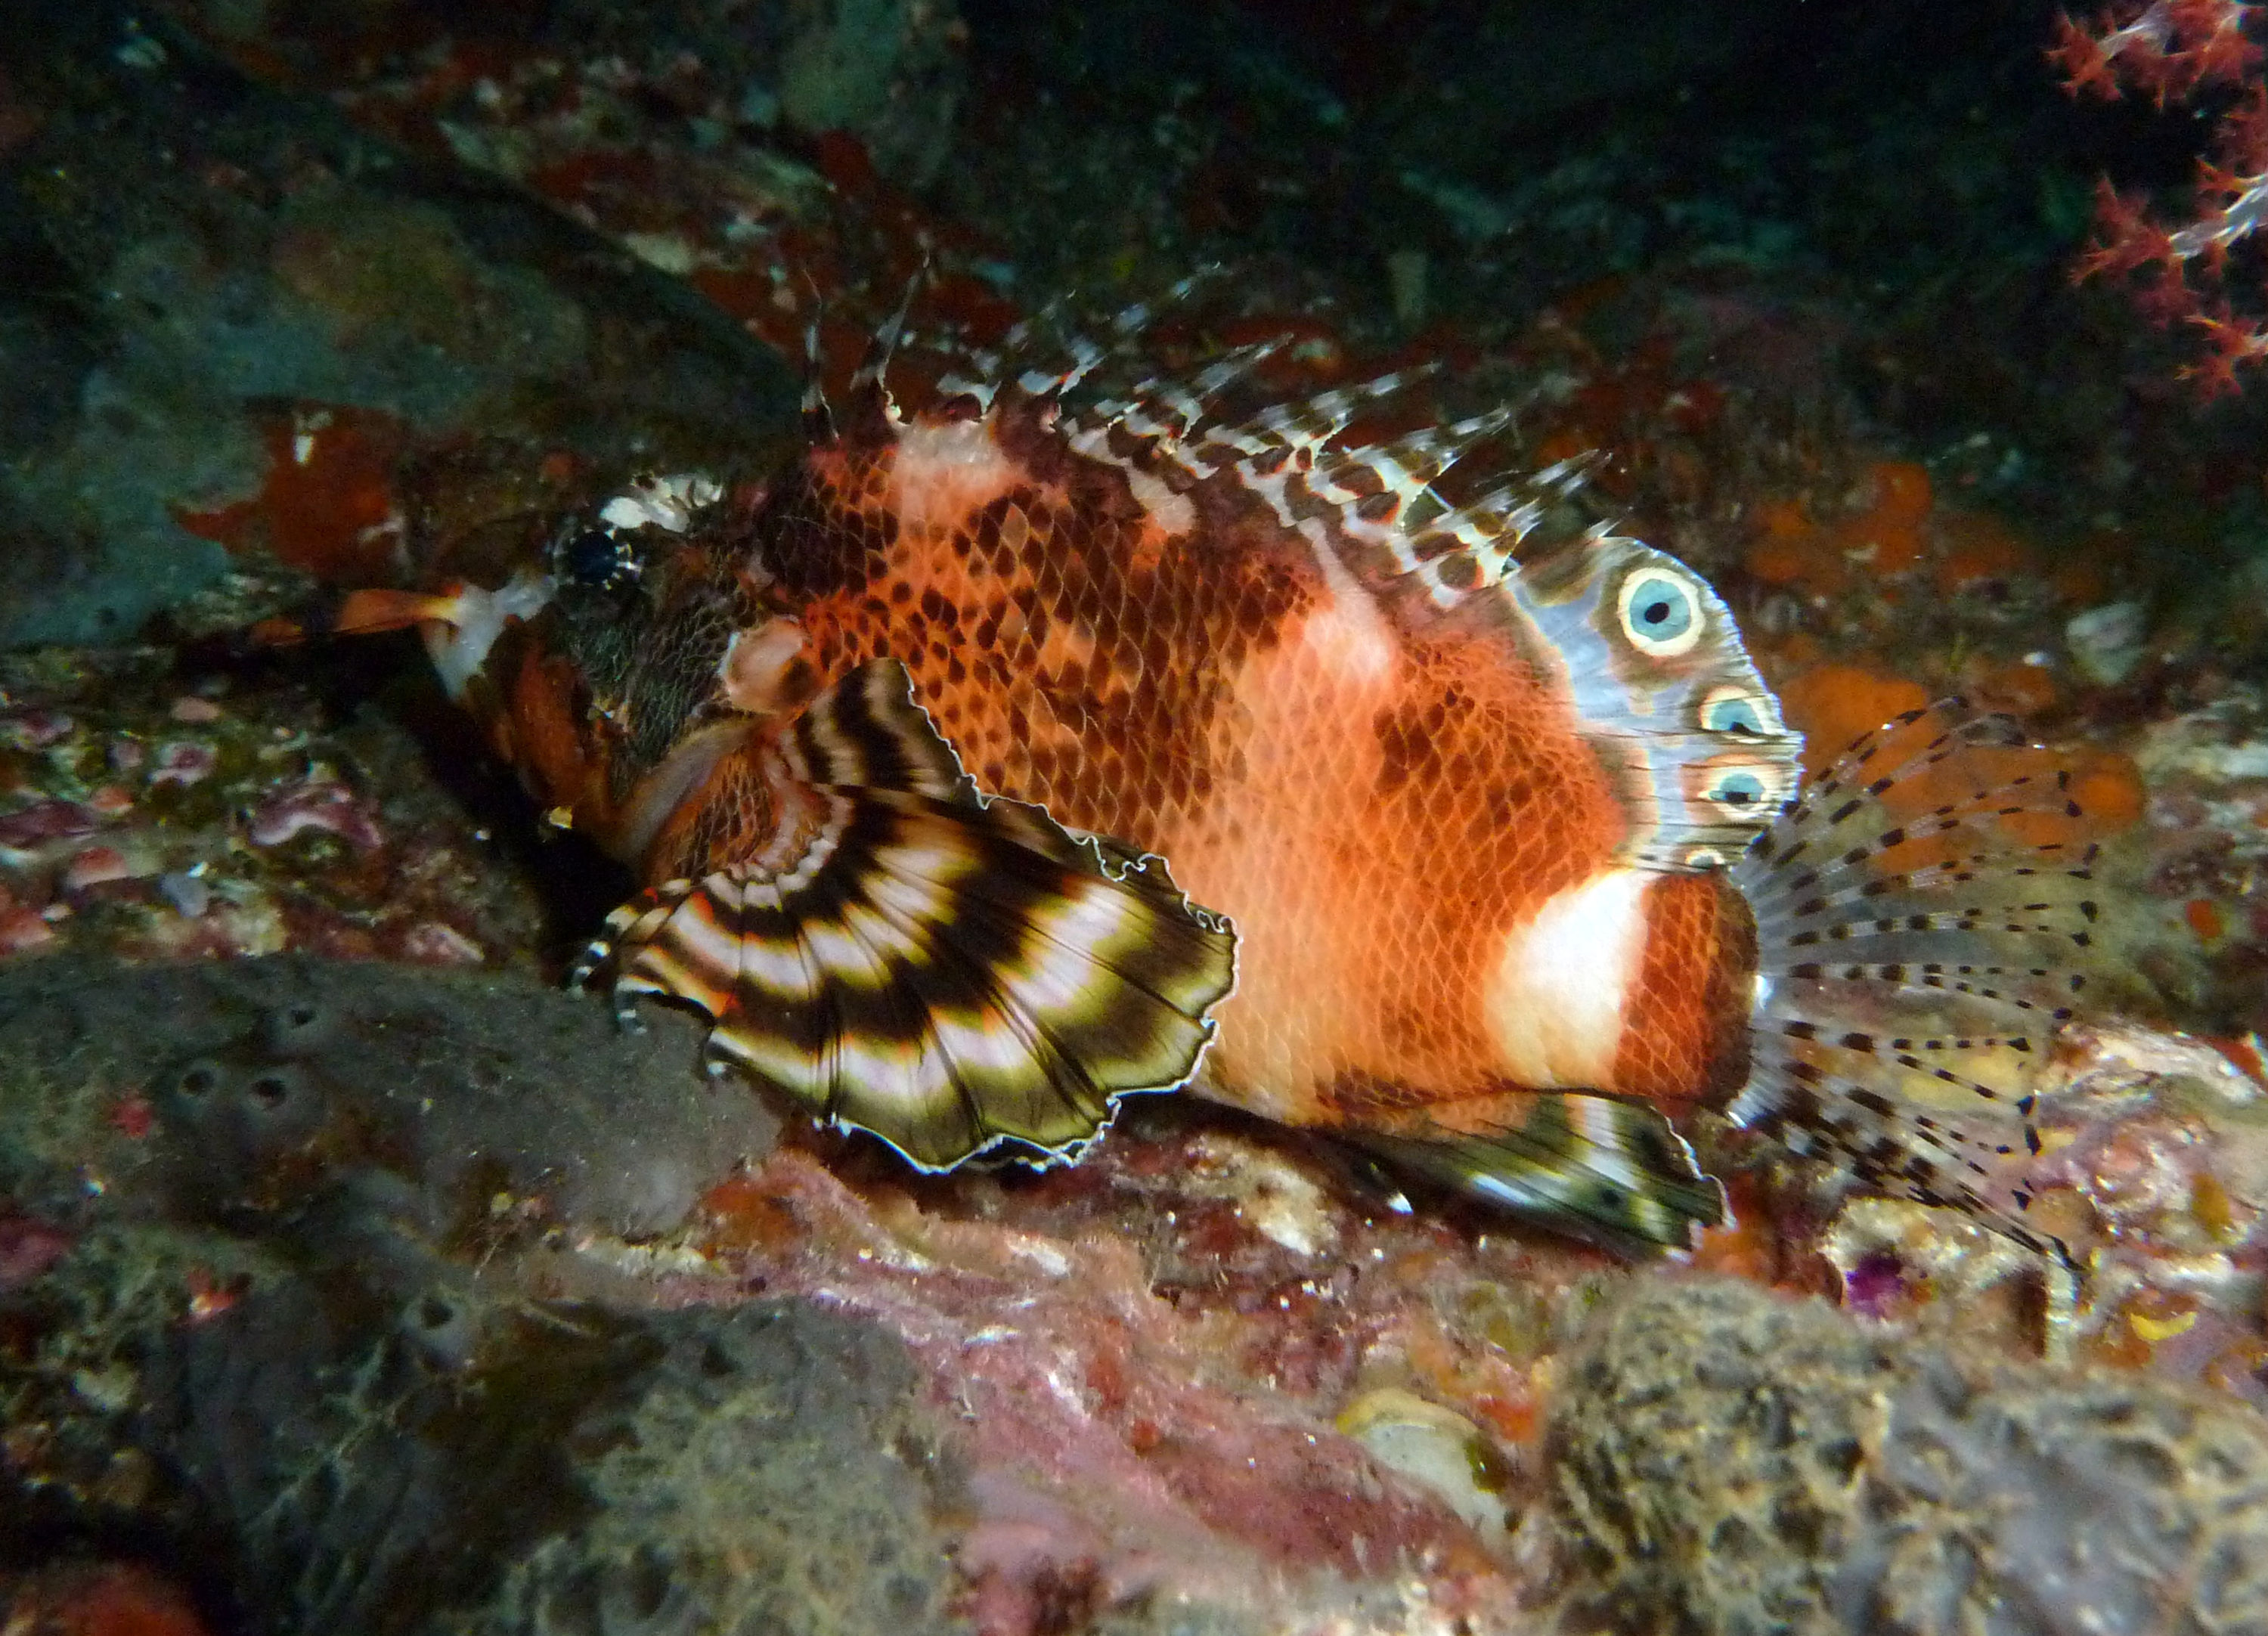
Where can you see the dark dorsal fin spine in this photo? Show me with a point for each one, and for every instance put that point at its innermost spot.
(870, 390)
(818, 415)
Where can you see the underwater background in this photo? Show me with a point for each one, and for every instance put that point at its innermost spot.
(376, 1284)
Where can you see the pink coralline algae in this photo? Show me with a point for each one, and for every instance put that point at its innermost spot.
(436, 943)
(35, 729)
(323, 804)
(28, 1248)
(46, 820)
(1113, 1454)
(183, 762)
(96, 867)
(23, 929)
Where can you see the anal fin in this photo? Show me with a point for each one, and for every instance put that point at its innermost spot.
(1596, 1167)
(951, 974)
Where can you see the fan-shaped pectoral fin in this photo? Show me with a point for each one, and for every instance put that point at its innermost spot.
(954, 975)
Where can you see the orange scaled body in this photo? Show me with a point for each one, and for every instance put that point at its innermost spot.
(1367, 786)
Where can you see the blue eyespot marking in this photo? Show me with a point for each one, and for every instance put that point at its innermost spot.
(1733, 712)
(1738, 789)
(1662, 608)
(1661, 612)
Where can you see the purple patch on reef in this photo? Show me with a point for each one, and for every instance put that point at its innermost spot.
(321, 803)
(28, 1248)
(1870, 1286)
(46, 820)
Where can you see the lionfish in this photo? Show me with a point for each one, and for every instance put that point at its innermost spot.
(989, 763)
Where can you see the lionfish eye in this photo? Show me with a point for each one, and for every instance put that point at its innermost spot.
(1659, 613)
(595, 557)
(1735, 711)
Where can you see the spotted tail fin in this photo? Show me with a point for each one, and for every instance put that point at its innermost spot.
(951, 974)
(1924, 920)
(1609, 1171)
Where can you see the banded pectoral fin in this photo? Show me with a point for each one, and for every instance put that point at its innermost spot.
(950, 974)
(1596, 1167)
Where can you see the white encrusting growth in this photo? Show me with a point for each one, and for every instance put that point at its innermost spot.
(1555, 1005)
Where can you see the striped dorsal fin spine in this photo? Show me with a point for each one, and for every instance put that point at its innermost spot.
(1514, 508)
(1152, 425)
(869, 390)
(1448, 552)
(1384, 492)
(1297, 431)
(1053, 382)
(1080, 354)
(818, 414)
(1404, 470)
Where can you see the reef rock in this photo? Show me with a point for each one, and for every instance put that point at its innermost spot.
(1729, 1461)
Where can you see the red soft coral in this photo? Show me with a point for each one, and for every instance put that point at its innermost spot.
(2176, 49)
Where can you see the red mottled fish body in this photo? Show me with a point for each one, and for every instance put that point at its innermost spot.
(995, 760)
(1361, 783)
